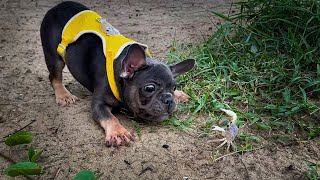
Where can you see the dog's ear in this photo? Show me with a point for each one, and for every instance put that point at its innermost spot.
(182, 67)
(134, 60)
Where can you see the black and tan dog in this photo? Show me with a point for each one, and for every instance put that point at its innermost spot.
(117, 70)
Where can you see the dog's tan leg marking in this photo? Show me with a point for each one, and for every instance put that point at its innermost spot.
(181, 96)
(116, 134)
(63, 96)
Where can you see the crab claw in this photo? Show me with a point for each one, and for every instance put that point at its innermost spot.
(232, 114)
(217, 128)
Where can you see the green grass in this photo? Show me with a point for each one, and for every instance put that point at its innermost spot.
(263, 62)
(312, 174)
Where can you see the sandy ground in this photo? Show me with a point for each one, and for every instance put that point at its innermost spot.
(73, 141)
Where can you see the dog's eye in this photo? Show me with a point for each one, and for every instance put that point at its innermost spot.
(150, 88)
(174, 88)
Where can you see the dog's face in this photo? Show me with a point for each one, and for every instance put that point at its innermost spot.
(148, 91)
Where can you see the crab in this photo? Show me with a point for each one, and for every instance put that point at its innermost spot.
(229, 133)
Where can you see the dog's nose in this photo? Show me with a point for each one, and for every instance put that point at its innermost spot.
(167, 98)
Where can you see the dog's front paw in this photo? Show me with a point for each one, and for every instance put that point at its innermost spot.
(180, 96)
(116, 134)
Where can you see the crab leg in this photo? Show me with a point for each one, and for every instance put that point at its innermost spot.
(233, 146)
(228, 147)
(218, 140)
(217, 128)
(222, 144)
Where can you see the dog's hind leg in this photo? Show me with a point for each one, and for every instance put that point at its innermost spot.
(54, 62)
(55, 67)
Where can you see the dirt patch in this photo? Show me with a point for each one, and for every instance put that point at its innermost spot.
(73, 141)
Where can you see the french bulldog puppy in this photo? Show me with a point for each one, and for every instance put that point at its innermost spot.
(146, 86)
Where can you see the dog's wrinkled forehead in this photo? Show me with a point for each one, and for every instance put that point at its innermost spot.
(158, 71)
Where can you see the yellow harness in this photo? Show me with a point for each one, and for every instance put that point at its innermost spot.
(113, 42)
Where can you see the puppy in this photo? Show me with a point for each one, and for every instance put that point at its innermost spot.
(117, 70)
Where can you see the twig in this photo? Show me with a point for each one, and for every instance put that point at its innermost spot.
(13, 162)
(248, 175)
(145, 170)
(238, 152)
(56, 175)
(7, 158)
(32, 121)
(229, 12)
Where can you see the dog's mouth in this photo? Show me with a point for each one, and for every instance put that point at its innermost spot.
(154, 112)
(151, 110)
(158, 118)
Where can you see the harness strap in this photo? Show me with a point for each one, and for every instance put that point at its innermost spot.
(113, 42)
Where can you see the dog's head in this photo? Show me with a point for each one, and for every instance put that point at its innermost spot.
(148, 85)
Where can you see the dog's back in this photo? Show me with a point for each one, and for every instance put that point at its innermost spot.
(54, 22)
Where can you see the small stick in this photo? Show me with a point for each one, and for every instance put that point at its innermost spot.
(237, 152)
(56, 175)
(145, 170)
(32, 121)
(7, 158)
(245, 167)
